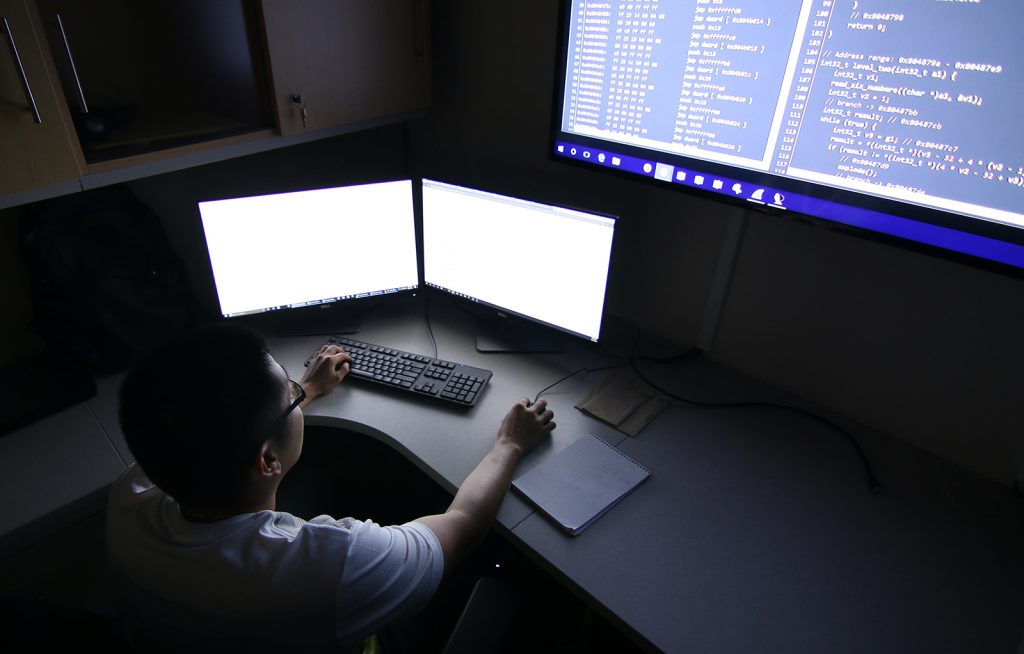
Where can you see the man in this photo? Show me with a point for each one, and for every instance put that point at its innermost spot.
(204, 558)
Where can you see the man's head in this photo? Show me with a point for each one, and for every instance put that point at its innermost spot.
(200, 413)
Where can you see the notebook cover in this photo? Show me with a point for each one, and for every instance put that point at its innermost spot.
(577, 485)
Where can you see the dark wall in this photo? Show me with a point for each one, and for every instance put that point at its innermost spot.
(921, 348)
(489, 124)
(372, 155)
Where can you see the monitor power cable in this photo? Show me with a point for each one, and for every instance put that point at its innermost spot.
(873, 484)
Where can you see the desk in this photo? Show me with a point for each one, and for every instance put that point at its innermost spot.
(756, 531)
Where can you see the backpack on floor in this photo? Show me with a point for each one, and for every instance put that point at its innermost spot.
(106, 286)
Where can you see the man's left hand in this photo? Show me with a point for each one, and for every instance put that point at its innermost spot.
(325, 371)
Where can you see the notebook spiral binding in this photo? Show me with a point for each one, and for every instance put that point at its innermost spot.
(622, 454)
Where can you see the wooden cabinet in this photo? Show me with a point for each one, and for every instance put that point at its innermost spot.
(125, 89)
(142, 77)
(37, 146)
(346, 61)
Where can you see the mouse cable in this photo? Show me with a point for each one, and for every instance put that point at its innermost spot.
(873, 484)
(573, 374)
(692, 353)
(624, 361)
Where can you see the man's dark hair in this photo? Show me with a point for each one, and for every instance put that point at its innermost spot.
(195, 412)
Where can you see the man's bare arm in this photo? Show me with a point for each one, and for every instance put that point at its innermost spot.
(475, 506)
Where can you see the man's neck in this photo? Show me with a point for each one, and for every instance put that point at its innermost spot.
(257, 503)
(207, 515)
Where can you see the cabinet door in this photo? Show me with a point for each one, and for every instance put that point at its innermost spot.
(36, 145)
(141, 76)
(346, 61)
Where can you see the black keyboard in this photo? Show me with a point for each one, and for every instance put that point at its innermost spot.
(423, 375)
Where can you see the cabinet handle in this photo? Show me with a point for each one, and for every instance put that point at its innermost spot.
(21, 73)
(74, 70)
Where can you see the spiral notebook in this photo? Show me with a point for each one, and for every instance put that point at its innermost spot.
(578, 485)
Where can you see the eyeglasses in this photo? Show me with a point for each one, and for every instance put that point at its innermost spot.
(297, 394)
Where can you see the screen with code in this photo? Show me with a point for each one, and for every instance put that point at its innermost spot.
(895, 116)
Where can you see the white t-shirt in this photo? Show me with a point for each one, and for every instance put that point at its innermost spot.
(260, 580)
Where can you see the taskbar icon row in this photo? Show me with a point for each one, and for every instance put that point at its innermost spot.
(674, 174)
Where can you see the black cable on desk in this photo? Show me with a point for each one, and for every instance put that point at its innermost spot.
(692, 353)
(625, 361)
(572, 374)
(426, 316)
(873, 484)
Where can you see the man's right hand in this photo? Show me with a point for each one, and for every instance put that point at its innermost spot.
(525, 426)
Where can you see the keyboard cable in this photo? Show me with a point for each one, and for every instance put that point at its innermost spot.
(426, 316)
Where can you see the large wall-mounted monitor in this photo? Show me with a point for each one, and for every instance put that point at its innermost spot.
(539, 263)
(311, 249)
(895, 119)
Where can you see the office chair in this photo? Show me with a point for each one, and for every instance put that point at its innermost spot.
(33, 624)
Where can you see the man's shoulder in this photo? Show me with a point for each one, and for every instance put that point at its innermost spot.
(365, 541)
(370, 530)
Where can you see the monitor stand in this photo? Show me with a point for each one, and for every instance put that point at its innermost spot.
(307, 322)
(506, 336)
(320, 324)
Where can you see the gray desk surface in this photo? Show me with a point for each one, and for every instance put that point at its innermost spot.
(447, 442)
(756, 531)
(55, 468)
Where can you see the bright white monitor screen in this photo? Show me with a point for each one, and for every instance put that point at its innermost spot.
(302, 249)
(536, 261)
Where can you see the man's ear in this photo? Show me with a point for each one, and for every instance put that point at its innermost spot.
(267, 462)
